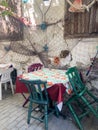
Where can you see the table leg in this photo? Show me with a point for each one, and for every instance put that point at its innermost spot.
(26, 100)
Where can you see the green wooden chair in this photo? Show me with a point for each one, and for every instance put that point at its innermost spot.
(80, 91)
(39, 97)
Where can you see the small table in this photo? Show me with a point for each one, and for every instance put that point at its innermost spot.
(56, 83)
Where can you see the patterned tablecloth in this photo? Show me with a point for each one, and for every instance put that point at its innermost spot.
(52, 76)
(56, 82)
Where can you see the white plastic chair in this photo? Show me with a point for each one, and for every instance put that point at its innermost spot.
(4, 79)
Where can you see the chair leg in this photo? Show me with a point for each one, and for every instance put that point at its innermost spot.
(75, 116)
(53, 105)
(5, 86)
(0, 91)
(46, 117)
(29, 112)
(90, 107)
(12, 88)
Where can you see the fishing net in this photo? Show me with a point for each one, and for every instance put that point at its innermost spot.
(41, 40)
(21, 48)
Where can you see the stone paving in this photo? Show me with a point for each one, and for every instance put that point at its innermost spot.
(14, 117)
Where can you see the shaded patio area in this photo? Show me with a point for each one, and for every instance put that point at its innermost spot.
(14, 117)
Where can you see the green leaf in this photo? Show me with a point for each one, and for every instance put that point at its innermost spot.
(4, 3)
(6, 13)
